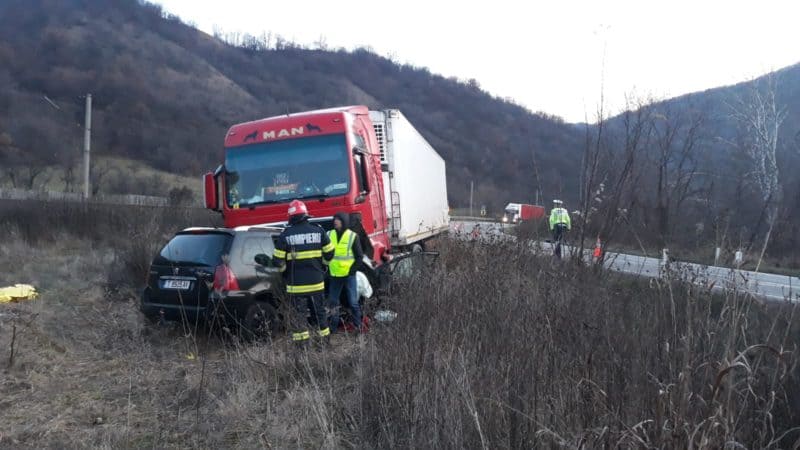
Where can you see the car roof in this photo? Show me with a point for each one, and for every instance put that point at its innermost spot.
(229, 231)
(273, 228)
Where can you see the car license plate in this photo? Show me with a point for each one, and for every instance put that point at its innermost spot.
(176, 284)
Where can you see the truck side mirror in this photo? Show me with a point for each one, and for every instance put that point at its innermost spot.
(365, 176)
(210, 188)
(360, 158)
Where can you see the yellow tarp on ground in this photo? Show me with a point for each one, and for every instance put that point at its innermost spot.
(17, 292)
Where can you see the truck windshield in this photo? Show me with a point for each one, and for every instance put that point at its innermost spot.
(284, 170)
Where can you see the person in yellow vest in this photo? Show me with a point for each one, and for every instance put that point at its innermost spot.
(560, 223)
(347, 256)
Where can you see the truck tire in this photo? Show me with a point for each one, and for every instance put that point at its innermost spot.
(418, 248)
(261, 321)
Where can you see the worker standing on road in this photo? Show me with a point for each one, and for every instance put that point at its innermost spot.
(560, 223)
(342, 270)
(301, 252)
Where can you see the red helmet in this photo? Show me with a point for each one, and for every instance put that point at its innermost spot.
(297, 208)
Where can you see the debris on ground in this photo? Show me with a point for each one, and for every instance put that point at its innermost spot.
(18, 292)
(384, 315)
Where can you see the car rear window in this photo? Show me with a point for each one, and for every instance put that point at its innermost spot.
(195, 249)
(253, 245)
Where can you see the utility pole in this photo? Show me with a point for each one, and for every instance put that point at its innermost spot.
(471, 185)
(87, 137)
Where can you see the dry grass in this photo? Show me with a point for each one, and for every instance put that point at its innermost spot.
(112, 169)
(493, 348)
(87, 371)
(556, 355)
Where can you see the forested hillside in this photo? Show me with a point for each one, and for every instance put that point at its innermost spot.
(677, 172)
(165, 93)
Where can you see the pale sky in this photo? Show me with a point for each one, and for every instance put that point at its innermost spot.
(549, 56)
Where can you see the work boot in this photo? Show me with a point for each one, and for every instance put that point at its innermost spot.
(301, 347)
(322, 339)
(325, 343)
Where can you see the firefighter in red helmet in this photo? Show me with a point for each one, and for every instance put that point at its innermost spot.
(302, 251)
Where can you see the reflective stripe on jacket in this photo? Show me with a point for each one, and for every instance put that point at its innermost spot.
(343, 258)
(302, 251)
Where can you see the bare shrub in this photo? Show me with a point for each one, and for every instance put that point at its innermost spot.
(533, 230)
(509, 351)
(495, 347)
(135, 233)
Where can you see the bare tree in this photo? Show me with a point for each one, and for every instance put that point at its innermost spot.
(20, 167)
(590, 163)
(25, 176)
(677, 135)
(321, 43)
(623, 172)
(70, 175)
(8, 153)
(99, 172)
(759, 119)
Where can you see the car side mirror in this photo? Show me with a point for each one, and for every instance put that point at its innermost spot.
(263, 260)
(362, 197)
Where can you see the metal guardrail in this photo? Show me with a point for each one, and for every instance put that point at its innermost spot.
(129, 199)
(474, 219)
(764, 285)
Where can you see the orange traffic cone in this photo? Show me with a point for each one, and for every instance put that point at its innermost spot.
(598, 250)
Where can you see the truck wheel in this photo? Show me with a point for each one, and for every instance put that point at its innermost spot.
(417, 248)
(261, 321)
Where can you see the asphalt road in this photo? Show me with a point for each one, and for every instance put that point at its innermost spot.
(764, 285)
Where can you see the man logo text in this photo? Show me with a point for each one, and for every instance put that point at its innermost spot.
(273, 134)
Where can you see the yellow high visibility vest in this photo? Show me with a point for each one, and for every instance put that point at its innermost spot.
(343, 258)
(560, 216)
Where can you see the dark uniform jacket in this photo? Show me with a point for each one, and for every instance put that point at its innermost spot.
(302, 251)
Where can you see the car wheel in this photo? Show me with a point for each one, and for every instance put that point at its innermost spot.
(150, 313)
(261, 321)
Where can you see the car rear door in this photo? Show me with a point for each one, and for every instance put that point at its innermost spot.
(251, 276)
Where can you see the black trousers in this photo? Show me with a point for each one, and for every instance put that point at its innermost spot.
(558, 231)
(303, 306)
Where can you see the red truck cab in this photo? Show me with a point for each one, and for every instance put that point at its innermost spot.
(330, 159)
(521, 212)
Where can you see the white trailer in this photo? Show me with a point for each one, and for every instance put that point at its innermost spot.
(413, 179)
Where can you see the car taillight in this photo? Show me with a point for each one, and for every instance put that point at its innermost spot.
(224, 280)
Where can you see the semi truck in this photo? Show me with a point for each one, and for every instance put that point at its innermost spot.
(373, 165)
(520, 212)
